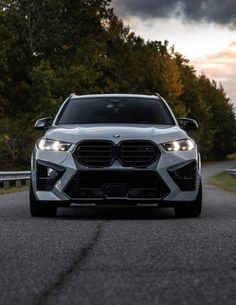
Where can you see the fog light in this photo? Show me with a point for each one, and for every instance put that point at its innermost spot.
(52, 173)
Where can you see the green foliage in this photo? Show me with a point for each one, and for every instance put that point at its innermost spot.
(16, 140)
(225, 181)
(51, 48)
(231, 156)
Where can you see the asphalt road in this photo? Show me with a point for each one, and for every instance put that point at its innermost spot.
(120, 256)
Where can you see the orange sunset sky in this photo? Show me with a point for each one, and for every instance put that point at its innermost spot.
(203, 31)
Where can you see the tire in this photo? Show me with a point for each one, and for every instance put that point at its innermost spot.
(41, 208)
(193, 209)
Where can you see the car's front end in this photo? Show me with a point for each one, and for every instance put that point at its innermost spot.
(116, 164)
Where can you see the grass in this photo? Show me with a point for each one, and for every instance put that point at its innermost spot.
(14, 190)
(231, 156)
(224, 181)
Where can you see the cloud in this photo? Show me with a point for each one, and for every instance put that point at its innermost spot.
(221, 67)
(217, 11)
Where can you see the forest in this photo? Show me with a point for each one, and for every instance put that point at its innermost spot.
(51, 48)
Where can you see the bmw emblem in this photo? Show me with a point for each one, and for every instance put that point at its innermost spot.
(116, 136)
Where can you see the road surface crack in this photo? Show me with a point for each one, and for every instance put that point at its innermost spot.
(64, 276)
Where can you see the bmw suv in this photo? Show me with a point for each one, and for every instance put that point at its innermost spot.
(115, 150)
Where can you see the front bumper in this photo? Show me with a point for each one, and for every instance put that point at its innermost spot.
(60, 178)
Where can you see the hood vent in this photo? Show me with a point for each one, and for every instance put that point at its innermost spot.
(130, 153)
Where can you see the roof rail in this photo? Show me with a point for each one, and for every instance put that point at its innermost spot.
(157, 94)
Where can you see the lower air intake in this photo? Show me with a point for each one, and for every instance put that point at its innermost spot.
(135, 185)
(185, 175)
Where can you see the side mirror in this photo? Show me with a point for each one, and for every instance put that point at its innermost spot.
(187, 124)
(43, 124)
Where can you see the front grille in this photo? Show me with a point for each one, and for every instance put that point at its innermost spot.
(105, 184)
(95, 153)
(129, 153)
(137, 153)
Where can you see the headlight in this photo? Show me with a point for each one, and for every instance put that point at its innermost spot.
(45, 144)
(182, 145)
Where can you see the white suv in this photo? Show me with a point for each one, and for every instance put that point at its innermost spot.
(116, 149)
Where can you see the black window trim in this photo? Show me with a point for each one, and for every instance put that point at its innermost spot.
(57, 122)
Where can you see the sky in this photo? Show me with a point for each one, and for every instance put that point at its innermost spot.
(203, 31)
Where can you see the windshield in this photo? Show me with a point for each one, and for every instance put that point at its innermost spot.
(115, 110)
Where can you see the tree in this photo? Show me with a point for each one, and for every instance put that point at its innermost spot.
(51, 48)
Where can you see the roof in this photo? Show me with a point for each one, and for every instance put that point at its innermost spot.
(114, 95)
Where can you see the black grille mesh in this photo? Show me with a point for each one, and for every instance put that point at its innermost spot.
(137, 153)
(129, 153)
(95, 153)
(124, 184)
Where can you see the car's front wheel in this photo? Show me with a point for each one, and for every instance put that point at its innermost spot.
(41, 209)
(192, 209)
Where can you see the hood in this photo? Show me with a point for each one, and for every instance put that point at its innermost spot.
(116, 133)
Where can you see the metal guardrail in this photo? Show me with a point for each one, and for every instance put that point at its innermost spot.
(16, 178)
(231, 172)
